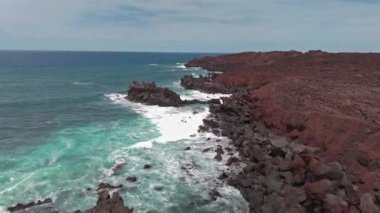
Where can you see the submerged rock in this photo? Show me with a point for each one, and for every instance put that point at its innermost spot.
(132, 179)
(147, 166)
(107, 186)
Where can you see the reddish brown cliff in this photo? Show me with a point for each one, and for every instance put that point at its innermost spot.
(328, 100)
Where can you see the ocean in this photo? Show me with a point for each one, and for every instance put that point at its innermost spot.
(65, 126)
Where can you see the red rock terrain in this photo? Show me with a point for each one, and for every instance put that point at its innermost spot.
(327, 100)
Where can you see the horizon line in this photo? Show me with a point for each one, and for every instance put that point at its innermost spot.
(113, 51)
(180, 52)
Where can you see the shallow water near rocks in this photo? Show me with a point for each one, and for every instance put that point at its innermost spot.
(65, 127)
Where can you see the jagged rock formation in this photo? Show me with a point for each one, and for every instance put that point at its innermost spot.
(204, 84)
(150, 94)
(109, 201)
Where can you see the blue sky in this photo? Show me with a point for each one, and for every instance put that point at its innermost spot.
(190, 25)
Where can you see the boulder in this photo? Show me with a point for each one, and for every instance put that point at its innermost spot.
(318, 190)
(367, 205)
(335, 204)
(294, 195)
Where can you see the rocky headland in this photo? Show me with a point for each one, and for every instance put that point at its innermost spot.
(306, 126)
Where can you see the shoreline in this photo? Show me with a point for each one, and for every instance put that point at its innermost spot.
(274, 172)
(301, 177)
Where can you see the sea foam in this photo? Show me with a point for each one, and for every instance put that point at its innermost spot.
(180, 65)
(173, 123)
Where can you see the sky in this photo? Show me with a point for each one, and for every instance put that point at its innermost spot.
(190, 25)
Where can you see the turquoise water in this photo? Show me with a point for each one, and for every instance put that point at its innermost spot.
(64, 125)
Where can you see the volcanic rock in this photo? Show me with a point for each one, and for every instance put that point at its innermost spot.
(150, 94)
(20, 206)
(132, 179)
(367, 204)
(318, 190)
(109, 204)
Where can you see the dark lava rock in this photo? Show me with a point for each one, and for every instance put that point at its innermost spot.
(335, 203)
(367, 205)
(232, 160)
(223, 176)
(318, 190)
(132, 179)
(294, 195)
(147, 166)
(214, 194)
(150, 94)
(218, 157)
(207, 149)
(21, 206)
(109, 204)
(203, 83)
(158, 188)
(219, 150)
(107, 186)
(363, 160)
(277, 152)
(116, 169)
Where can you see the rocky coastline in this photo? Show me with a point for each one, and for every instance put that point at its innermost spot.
(305, 127)
(296, 155)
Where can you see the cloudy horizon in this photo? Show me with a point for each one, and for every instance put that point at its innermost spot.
(190, 25)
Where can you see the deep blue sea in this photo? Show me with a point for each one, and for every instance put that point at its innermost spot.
(65, 126)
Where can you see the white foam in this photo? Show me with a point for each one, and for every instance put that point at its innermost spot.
(118, 162)
(79, 83)
(153, 64)
(180, 65)
(194, 94)
(174, 123)
(3, 209)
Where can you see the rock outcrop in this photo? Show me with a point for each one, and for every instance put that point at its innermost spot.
(204, 84)
(150, 94)
(109, 203)
(109, 200)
